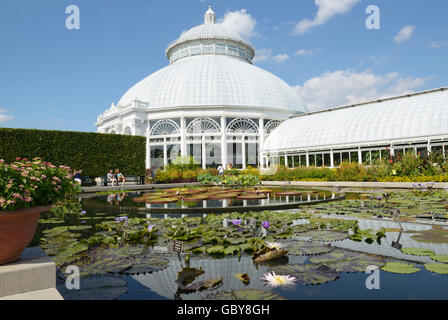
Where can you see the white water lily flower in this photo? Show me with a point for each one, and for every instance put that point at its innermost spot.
(274, 245)
(275, 280)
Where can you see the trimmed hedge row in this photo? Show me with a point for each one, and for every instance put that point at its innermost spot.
(93, 153)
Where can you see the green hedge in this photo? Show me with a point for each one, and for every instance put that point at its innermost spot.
(93, 153)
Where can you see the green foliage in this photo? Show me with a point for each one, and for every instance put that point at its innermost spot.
(400, 267)
(244, 180)
(93, 153)
(402, 168)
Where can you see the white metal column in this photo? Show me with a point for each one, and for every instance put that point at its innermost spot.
(183, 142)
(204, 154)
(243, 152)
(260, 141)
(224, 141)
(148, 147)
(165, 153)
(331, 159)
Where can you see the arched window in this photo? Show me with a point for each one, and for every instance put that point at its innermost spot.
(271, 125)
(127, 131)
(242, 126)
(165, 127)
(203, 125)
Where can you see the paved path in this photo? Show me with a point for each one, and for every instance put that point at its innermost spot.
(381, 185)
(138, 187)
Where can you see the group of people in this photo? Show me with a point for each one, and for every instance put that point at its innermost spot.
(221, 168)
(116, 177)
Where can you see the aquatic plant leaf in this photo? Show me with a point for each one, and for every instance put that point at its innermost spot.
(188, 275)
(400, 267)
(123, 252)
(431, 236)
(417, 251)
(348, 261)
(201, 285)
(308, 274)
(268, 254)
(443, 258)
(244, 294)
(252, 294)
(325, 236)
(243, 277)
(70, 253)
(95, 288)
(439, 268)
(306, 248)
(147, 264)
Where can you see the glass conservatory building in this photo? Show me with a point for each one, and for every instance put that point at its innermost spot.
(364, 132)
(210, 102)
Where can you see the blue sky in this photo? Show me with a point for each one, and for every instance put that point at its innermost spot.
(54, 78)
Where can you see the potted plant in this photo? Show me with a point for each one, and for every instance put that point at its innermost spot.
(28, 188)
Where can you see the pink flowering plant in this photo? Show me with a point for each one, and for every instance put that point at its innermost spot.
(25, 184)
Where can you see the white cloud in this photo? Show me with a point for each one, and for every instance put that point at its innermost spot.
(263, 55)
(5, 117)
(279, 58)
(326, 10)
(307, 53)
(344, 87)
(404, 34)
(240, 22)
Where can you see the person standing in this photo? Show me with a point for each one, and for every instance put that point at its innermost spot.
(221, 170)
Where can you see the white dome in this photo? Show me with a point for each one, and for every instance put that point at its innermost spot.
(215, 81)
(209, 31)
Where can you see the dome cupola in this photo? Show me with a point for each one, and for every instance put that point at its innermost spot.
(210, 16)
(210, 38)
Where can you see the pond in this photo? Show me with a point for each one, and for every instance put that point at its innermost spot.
(209, 200)
(129, 254)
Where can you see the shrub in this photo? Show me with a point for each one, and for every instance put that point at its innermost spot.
(93, 153)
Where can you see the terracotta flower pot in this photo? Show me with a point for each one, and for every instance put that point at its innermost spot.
(17, 229)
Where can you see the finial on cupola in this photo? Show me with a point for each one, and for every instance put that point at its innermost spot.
(210, 16)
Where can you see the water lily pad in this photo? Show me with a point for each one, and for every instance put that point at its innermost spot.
(400, 267)
(95, 288)
(146, 264)
(307, 248)
(439, 268)
(268, 254)
(201, 285)
(70, 253)
(325, 236)
(251, 196)
(431, 236)
(348, 261)
(115, 253)
(243, 277)
(443, 258)
(417, 251)
(288, 193)
(188, 275)
(244, 294)
(308, 273)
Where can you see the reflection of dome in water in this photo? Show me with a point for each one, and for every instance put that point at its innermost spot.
(164, 282)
